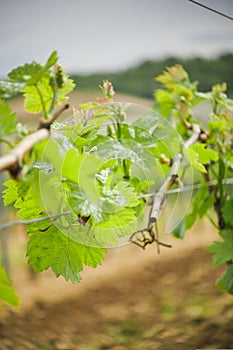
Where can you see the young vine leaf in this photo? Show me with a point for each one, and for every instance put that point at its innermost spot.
(7, 120)
(7, 293)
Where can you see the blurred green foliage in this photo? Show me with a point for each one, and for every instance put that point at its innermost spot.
(140, 81)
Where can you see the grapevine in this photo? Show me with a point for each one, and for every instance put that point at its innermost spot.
(84, 184)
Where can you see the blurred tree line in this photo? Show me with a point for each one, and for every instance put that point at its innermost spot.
(140, 80)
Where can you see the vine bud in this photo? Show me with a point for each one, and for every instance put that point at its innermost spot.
(60, 76)
(203, 137)
(188, 125)
(164, 159)
(108, 89)
(58, 79)
(182, 99)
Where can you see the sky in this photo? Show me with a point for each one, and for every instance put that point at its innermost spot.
(108, 35)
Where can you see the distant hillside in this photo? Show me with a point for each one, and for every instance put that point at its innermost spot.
(140, 81)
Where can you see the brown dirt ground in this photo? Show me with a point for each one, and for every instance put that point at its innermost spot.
(135, 300)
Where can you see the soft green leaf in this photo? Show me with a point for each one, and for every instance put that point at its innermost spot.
(223, 251)
(93, 124)
(86, 176)
(10, 194)
(229, 104)
(23, 74)
(33, 94)
(109, 163)
(84, 205)
(148, 120)
(166, 101)
(204, 96)
(167, 140)
(53, 150)
(7, 120)
(7, 293)
(225, 283)
(205, 155)
(202, 202)
(131, 199)
(218, 125)
(136, 133)
(82, 169)
(50, 195)
(51, 60)
(180, 230)
(227, 212)
(127, 149)
(28, 207)
(109, 201)
(119, 224)
(173, 76)
(194, 160)
(71, 165)
(65, 90)
(65, 256)
(32, 73)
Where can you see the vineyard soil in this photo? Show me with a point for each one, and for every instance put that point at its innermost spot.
(135, 300)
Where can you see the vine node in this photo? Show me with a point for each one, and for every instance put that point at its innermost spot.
(148, 236)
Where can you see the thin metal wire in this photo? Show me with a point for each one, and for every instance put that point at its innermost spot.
(228, 181)
(32, 221)
(211, 9)
(188, 188)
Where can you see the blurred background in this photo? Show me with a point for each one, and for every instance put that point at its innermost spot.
(129, 42)
(137, 299)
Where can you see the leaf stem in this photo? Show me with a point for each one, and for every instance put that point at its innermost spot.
(124, 163)
(52, 106)
(42, 102)
(10, 144)
(212, 221)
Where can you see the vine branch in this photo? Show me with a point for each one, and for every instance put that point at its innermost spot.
(158, 199)
(159, 196)
(12, 160)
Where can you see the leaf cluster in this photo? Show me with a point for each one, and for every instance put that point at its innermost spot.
(83, 188)
(211, 158)
(91, 172)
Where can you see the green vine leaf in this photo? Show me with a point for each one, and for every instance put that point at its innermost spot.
(194, 160)
(227, 211)
(86, 185)
(166, 102)
(201, 204)
(7, 293)
(65, 90)
(10, 194)
(199, 155)
(32, 73)
(53, 58)
(119, 224)
(225, 283)
(7, 120)
(205, 155)
(223, 251)
(32, 94)
(24, 74)
(65, 256)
